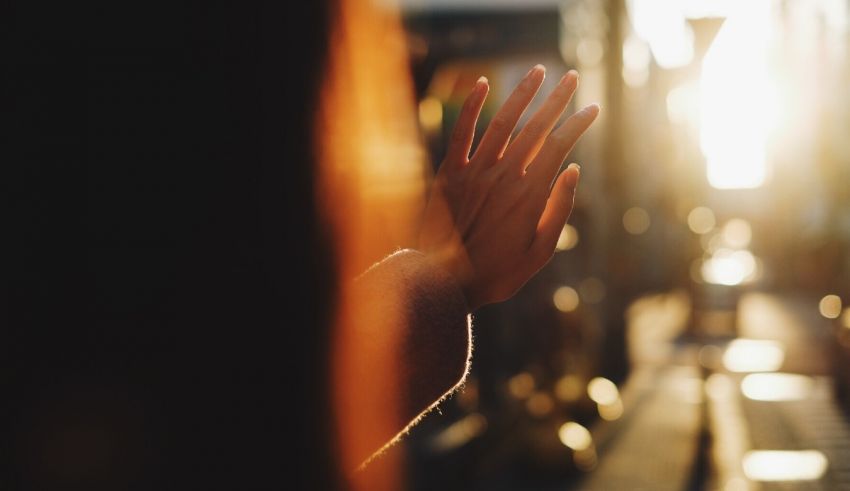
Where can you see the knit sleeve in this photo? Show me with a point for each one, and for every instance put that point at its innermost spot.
(417, 312)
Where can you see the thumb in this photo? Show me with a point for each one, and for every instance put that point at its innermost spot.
(559, 206)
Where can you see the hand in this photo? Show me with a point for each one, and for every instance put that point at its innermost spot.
(493, 220)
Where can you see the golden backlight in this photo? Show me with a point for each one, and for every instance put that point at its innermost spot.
(737, 99)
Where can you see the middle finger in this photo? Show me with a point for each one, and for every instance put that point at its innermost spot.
(498, 134)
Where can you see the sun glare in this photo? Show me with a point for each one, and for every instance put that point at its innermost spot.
(736, 100)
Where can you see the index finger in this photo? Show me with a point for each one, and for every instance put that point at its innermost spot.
(464, 130)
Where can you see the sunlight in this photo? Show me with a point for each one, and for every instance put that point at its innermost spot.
(737, 106)
(662, 24)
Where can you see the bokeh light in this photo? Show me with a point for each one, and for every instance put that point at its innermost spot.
(521, 385)
(575, 436)
(830, 306)
(636, 220)
(753, 355)
(737, 233)
(592, 290)
(785, 465)
(603, 391)
(777, 386)
(569, 388)
(611, 412)
(701, 220)
(460, 433)
(540, 404)
(431, 114)
(568, 238)
(729, 267)
(566, 299)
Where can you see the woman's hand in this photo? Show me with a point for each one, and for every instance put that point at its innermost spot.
(493, 220)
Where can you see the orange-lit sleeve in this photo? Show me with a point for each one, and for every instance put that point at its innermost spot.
(413, 345)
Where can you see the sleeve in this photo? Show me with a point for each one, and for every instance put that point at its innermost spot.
(414, 317)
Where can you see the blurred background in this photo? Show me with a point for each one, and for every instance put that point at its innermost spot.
(693, 329)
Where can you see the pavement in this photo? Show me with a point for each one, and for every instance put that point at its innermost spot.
(752, 409)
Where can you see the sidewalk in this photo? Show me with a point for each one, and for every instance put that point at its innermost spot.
(692, 422)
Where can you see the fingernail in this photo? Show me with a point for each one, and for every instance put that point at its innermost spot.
(570, 75)
(536, 68)
(591, 108)
(578, 174)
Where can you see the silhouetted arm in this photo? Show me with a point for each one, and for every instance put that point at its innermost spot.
(412, 344)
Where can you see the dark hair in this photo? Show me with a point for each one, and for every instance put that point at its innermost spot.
(170, 304)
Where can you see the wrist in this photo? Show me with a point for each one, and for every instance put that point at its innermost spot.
(456, 265)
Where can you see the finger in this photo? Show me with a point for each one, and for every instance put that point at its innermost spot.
(531, 137)
(464, 130)
(559, 144)
(555, 214)
(498, 134)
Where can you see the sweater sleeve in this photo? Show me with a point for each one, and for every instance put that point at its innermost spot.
(415, 311)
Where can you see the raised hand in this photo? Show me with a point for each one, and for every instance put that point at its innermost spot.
(493, 220)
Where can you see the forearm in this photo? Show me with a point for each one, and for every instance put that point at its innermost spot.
(408, 348)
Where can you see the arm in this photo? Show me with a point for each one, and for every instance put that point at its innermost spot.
(491, 223)
(421, 307)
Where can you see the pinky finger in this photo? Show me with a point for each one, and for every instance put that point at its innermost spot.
(464, 131)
